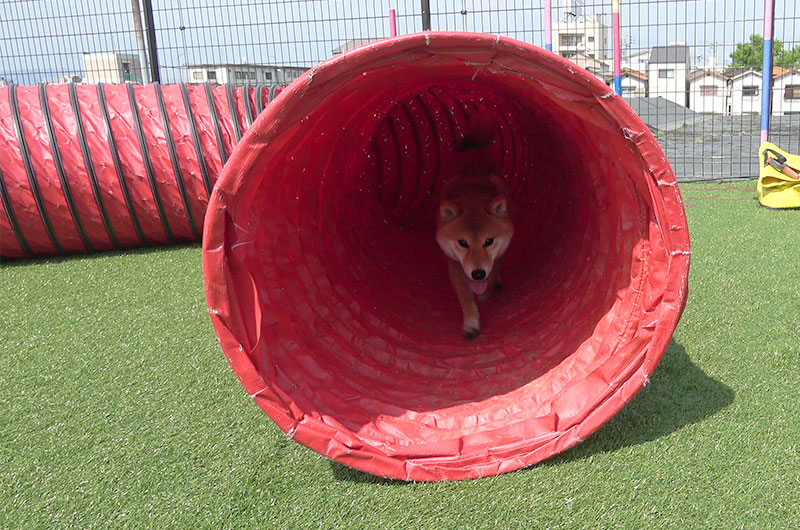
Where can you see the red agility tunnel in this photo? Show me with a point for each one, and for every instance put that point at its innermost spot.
(102, 167)
(331, 297)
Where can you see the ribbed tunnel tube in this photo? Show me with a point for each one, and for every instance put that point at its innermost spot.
(331, 297)
(86, 168)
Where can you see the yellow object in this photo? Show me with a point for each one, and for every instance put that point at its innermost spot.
(775, 188)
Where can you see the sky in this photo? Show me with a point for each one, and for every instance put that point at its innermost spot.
(42, 39)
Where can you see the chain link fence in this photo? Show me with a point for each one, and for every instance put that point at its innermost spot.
(691, 69)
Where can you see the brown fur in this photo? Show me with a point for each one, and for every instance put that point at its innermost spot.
(473, 210)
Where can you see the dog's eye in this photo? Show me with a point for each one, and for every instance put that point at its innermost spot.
(463, 243)
(489, 241)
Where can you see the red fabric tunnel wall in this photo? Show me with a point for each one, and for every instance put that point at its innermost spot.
(102, 167)
(330, 295)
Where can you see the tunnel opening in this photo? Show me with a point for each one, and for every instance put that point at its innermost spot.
(336, 310)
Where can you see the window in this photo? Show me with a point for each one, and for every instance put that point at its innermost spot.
(709, 90)
(590, 39)
(198, 76)
(211, 75)
(267, 76)
(251, 76)
(750, 91)
(126, 67)
(791, 92)
(627, 89)
(571, 40)
(666, 74)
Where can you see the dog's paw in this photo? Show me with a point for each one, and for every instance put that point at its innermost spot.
(472, 333)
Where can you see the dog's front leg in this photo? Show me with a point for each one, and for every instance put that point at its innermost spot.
(472, 324)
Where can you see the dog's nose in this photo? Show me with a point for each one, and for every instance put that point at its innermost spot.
(478, 274)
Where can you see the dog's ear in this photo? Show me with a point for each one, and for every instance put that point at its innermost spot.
(448, 211)
(499, 206)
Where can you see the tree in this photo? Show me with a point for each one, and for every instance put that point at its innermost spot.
(751, 54)
(789, 59)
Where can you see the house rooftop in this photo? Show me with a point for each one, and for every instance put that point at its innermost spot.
(669, 54)
(629, 73)
(697, 74)
(736, 71)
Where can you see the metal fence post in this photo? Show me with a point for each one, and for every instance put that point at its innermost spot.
(426, 15)
(150, 32)
(136, 13)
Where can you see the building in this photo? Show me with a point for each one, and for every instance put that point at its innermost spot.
(66, 78)
(745, 92)
(668, 73)
(351, 45)
(112, 68)
(576, 33)
(244, 74)
(786, 93)
(597, 67)
(632, 82)
(638, 62)
(708, 92)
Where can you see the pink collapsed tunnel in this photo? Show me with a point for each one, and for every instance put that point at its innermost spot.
(330, 296)
(101, 167)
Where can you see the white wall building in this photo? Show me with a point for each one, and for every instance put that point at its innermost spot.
(597, 67)
(708, 92)
(112, 68)
(637, 62)
(786, 93)
(241, 74)
(745, 92)
(576, 33)
(668, 73)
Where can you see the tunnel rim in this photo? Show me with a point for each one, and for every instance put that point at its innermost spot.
(347, 448)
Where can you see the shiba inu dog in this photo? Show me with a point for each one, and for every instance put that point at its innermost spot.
(474, 224)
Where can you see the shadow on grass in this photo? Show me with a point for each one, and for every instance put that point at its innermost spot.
(679, 394)
(105, 254)
(347, 474)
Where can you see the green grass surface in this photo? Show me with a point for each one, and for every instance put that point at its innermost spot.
(119, 409)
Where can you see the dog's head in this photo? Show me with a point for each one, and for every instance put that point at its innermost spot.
(475, 236)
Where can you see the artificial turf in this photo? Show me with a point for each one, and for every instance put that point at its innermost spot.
(119, 409)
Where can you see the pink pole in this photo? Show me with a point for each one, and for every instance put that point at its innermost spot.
(392, 23)
(548, 25)
(617, 48)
